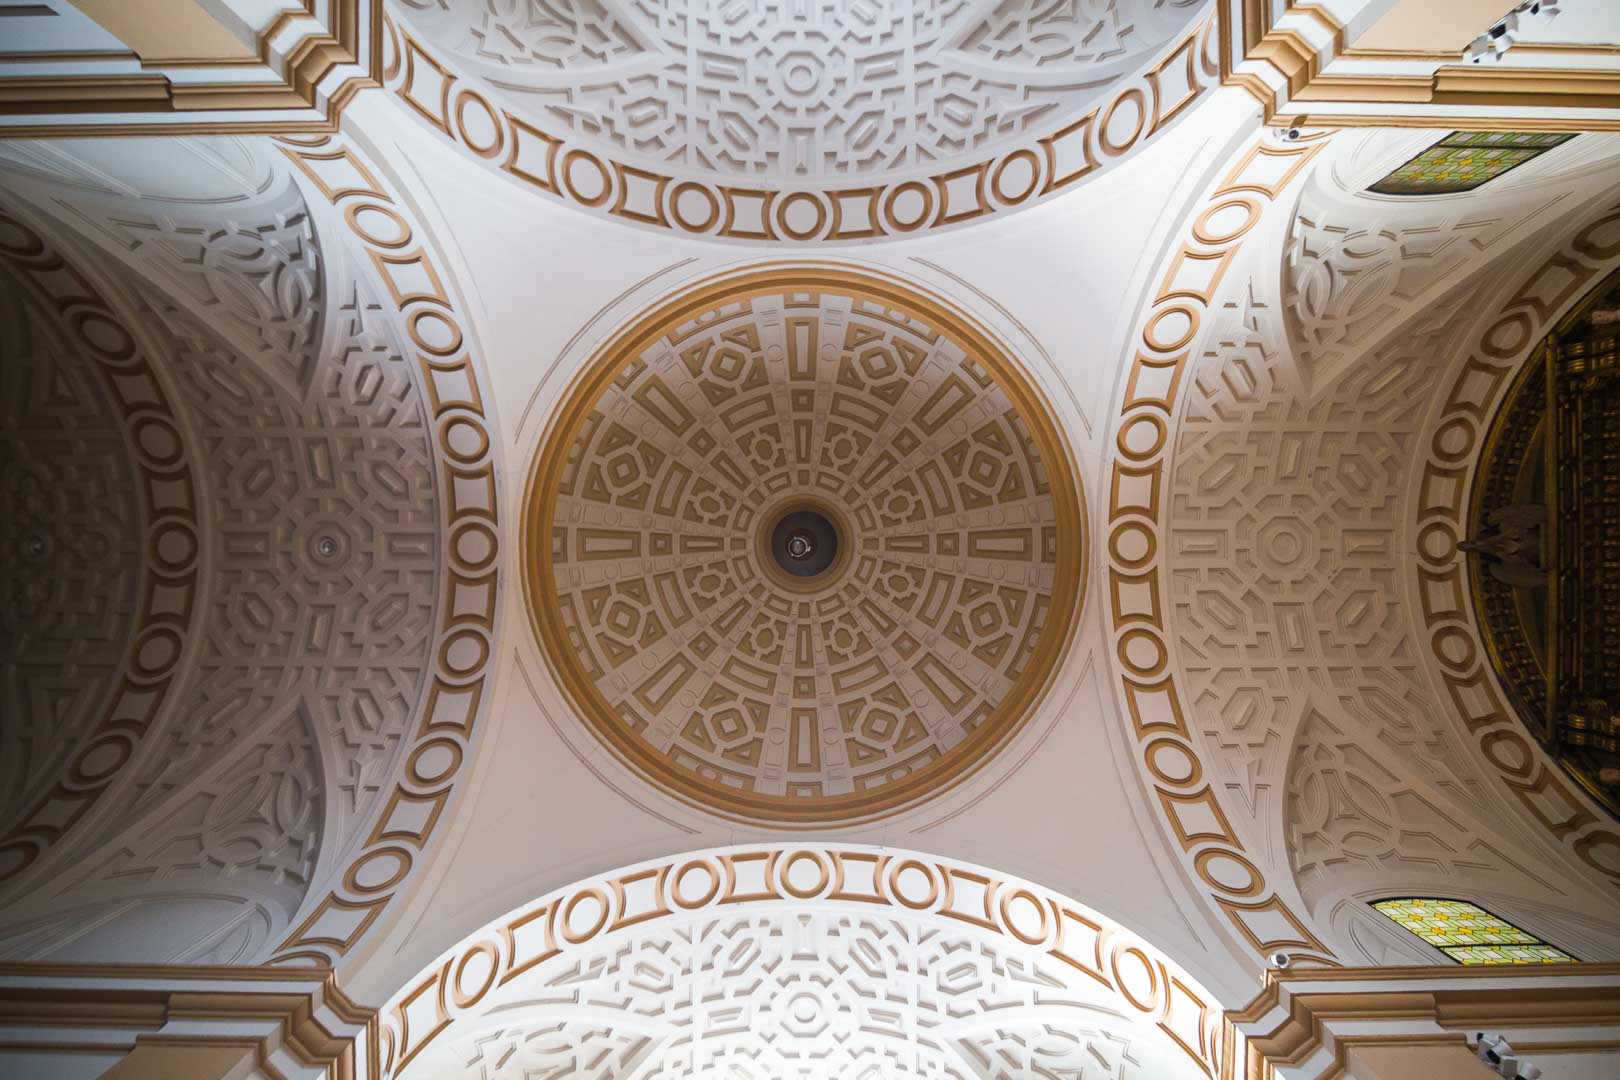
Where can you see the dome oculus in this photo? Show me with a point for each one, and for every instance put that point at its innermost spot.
(811, 550)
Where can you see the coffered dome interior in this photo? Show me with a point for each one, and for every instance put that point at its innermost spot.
(698, 439)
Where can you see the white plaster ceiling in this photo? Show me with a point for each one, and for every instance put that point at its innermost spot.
(308, 414)
(809, 963)
(788, 91)
(261, 644)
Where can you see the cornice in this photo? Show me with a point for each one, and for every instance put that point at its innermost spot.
(1298, 1014)
(1305, 54)
(304, 70)
(302, 1013)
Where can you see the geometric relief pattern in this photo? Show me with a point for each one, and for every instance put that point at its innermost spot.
(782, 90)
(155, 449)
(206, 878)
(452, 445)
(1353, 812)
(802, 995)
(1472, 391)
(683, 633)
(787, 121)
(250, 269)
(803, 963)
(71, 549)
(1348, 280)
(1285, 515)
(322, 594)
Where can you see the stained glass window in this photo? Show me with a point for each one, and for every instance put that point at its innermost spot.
(1468, 933)
(1464, 160)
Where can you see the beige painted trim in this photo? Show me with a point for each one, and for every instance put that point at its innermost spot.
(141, 99)
(1440, 24)
(182, 29)
(1529, 122)
(1477, 98)
(51, 1008)
(1551, 995)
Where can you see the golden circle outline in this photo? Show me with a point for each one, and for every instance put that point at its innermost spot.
(894, 194)
(352, 216)
(1200, 229)
(1034, 176)
(675, 206)
(565, 927)
(1201, 861)
(566, 172)
(1109, 147)
(1012, 928)
(1155, 997)
(1151, 339)
(478, 948)
(787, 864)
(1069, 520)
(351, 879)
(465, 94)
(801, 234)
(899, 895)
(680, 899)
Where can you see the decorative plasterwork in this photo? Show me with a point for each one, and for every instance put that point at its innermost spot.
(437, 745)
(347, 552)
(1359, 269)
(1269, 660)
(176, 1020)
(1300, 61)
(171, 548)
(1155, 696)
(71, 544)
(1313, 1025)
(318, 563)
(682, 644)
(307, 61)
(858, 172)
(778, 91)
(1439, 512)
(783, 961)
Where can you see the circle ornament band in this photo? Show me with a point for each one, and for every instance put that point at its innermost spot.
(922, 482)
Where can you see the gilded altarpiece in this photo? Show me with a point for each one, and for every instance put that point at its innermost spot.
(1544, 543)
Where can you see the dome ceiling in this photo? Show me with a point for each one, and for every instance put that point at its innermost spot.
(70, 541)
(772, 92)
(802, 964)
(699, 653)
(787, 121)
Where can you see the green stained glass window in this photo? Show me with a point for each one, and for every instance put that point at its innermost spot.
(1464, 160)
(1468, 933)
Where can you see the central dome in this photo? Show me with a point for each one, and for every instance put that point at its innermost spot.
(811, 546)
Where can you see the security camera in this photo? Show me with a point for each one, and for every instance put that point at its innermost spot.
(1280, 960)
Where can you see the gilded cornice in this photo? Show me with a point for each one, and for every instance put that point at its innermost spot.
(276, 91)
(1302, 66)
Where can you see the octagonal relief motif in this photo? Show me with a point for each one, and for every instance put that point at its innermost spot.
(804, 546)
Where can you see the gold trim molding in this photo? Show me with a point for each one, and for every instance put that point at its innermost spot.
(1300, 1014)
(1304, 69)
(1168, 750)
(159, 1015)
(448, 997)
(471, 116)
(1004, 715)
(1457, 652)
(303, 70)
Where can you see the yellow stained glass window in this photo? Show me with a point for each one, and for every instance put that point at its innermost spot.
(1468, 933)
(1464, 160)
